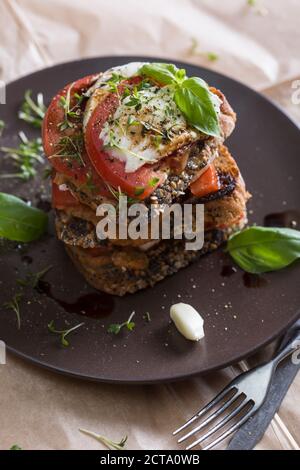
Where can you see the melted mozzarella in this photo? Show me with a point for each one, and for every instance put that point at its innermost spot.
(144, 132)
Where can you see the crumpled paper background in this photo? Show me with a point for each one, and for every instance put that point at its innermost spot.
(258, 45)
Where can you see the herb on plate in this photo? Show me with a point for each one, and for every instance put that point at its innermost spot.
(115, 328)
(104, 440)
(147, 317)
(33, 112)
(262, 249)
(15, 447)
(33, 279)
(192, 95)
(14, 305)
(25, 157)
(2, 126)
(134, 100)
(63, 333)
(19, 221)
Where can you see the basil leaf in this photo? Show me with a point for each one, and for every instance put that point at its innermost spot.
(166, 74)
(199, 105)
(261, 249)
(20, 222)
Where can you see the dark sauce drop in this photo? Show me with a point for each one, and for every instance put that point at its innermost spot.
(94, 305)
(288, 219)
(253, 280)
(228, 271)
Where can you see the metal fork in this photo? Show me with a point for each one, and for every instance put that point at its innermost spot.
(243, 397)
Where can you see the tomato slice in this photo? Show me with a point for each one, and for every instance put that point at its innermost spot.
(62, 199)
(138, 184)
(79, 169)
(207, 183)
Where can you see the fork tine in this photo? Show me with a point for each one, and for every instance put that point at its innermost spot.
(206, 408)
(218, 426)
(210, 418)
(230, 430)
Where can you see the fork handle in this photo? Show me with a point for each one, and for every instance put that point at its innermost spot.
(292, 346)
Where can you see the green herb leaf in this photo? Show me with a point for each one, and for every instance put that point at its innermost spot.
(212, 56)
(198, 104)
(166, 74)
(132, 121)
(153, 182)
(15, 447)
(63, 333)
(104, 440)
(31, 112)
(138, 190)
(192, 95)
(14, 305)
(115, 328)
(19, 221)
(262, 249)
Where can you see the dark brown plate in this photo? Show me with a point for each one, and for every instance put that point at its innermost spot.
(238, 319)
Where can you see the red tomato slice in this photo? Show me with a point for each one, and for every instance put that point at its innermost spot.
(81, 171)
(138, 184)
(62, 199)
(207, 183)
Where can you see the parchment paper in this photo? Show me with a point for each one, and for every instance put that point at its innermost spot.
(258, 45)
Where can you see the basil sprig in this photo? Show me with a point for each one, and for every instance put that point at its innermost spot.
(20, 222)
(192, 95)
(262, 249)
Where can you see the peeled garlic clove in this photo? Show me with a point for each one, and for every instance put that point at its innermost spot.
(187, 321)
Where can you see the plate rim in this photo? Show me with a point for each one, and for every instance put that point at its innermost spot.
(276, 335)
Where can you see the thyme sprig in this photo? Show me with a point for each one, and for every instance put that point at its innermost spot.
(63, 333)
(115, 328)
(25, 157)
(70, 148)
(114, 82)
(104, 440)
(33, 112)
(14, 305)
(71, 113)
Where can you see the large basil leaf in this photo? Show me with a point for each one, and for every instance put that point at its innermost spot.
(20, 222)
(199, 105)
(166, 74)
(262, 249)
